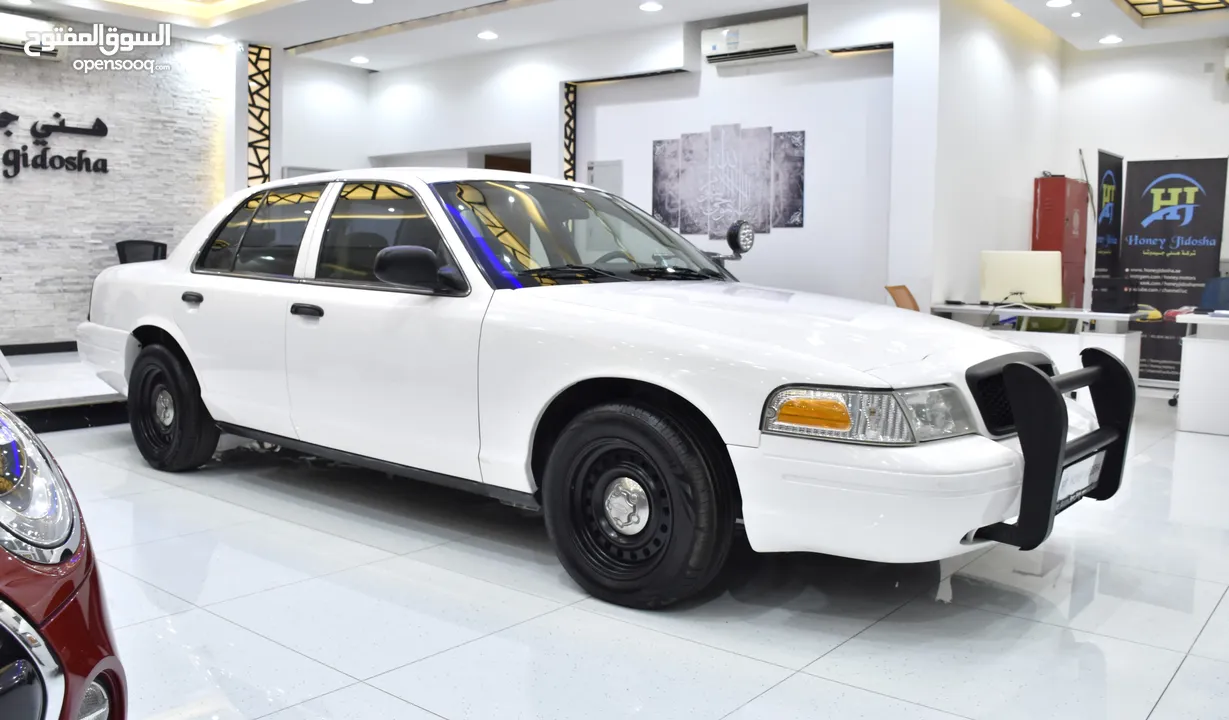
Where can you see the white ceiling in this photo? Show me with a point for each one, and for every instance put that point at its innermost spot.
(1099, 18)
(288, 23)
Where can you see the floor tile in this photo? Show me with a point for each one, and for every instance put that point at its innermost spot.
(131, 601)
(1153, 608)
(87, 439)
(1200, 691)
(1214, 641)
(518, 555)
(787, 609)
(357, 702)
(576, 665)
(129, 520)
(93, 479)
(215, 565)
(992, 667)
(391, 613)
(804, 697)
(196, 666)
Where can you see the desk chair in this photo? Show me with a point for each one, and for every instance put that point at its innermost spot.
(1215, 297)
(902, 297)
(131, 251)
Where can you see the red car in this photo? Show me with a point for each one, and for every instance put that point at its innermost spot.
(57, 657)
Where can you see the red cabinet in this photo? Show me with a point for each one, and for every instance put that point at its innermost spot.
(1060, 214)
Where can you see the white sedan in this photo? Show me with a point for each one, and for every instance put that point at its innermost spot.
(551, 346)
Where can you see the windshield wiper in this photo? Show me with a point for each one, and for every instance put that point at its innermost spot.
(676, 273)
(569, 272)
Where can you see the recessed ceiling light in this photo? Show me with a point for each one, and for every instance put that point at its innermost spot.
(21, 2)
(218, 39)
(1058, 3)
(363, 2)
(487, 35)
(1076, 14)
(1111, 40)
(650, 6)
(359, 60)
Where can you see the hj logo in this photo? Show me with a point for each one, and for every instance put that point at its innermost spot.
(1109, 193)
(1173, 202)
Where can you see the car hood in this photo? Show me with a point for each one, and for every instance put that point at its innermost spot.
(859, 335)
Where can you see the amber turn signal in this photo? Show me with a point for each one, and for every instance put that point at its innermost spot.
(825, 413)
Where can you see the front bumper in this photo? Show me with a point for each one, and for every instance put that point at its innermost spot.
(936, 500)
(56, 663)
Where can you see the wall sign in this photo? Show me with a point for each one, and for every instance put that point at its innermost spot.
(41, 156)
(1171, 237)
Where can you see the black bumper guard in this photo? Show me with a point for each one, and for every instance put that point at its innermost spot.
(1037, 404)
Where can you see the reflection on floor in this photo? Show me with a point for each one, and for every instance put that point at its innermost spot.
(267, 588)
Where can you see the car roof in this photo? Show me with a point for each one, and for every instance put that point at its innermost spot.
(425, 174)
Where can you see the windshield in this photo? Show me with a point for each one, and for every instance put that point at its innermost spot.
(528, 234)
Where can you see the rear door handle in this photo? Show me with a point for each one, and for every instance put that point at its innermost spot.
(193, 298)
(306, 310)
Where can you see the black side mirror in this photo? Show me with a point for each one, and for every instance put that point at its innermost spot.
(414, 266)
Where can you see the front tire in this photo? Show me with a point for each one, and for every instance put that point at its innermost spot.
(640, 512)
(170, 424)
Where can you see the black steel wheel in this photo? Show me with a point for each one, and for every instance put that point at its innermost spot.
(639, 512)
(170, 424)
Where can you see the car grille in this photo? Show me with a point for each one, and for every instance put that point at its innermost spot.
(989, 389)
(31, 682)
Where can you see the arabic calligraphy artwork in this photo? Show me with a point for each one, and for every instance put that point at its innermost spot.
(703, 182)
(40, 157)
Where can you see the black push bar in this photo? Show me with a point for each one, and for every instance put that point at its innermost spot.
(1039, 409)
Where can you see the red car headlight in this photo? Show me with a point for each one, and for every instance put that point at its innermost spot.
(39, 520)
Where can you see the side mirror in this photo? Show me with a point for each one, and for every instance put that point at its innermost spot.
(414, 266)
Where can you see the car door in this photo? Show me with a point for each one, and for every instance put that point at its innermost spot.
(383, 371)
(233, 309)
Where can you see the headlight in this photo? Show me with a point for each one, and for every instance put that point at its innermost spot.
(868, 416)
(38, 517)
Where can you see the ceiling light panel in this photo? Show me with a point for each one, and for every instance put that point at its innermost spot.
(1153, 8)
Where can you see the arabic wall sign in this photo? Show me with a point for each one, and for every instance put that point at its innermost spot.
(41, 156)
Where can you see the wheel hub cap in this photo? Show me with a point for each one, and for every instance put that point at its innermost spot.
(627, 506)
(164, 408)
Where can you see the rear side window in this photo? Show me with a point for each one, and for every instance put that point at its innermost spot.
(271, 244)
(219, 254)
(367, 218)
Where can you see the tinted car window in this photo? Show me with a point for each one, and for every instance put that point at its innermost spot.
(220, 253)
(367, 218)
(271, 244)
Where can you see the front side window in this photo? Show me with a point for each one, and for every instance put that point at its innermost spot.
(526, 234)
(367, 218)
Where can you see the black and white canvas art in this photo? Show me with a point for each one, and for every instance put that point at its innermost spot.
(704, 182)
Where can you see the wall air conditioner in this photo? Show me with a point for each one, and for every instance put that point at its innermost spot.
(769, 41)
(13, 35)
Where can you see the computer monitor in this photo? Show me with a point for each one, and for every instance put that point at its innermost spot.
(1033, 277)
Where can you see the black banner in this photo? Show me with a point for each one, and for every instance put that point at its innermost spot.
(1108, 191)
(1171, 234)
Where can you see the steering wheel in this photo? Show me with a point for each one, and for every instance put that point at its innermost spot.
(615, 255)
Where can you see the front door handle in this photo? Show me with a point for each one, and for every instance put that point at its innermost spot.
(306, 310)
(192, 298)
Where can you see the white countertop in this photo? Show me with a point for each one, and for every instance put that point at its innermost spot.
(1193, 319)
(1064, 313)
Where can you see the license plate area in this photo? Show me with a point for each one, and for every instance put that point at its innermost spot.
(1078, 480)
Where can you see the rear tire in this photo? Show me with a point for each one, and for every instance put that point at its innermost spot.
(170, 424)
(640, 513)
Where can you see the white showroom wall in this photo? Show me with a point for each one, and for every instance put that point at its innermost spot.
(845, 108)
(999, 98)
(166, 149)
(1154, 102)
(507, 98)
(325, 116)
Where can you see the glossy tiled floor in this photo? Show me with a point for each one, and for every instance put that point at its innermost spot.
(268, 588)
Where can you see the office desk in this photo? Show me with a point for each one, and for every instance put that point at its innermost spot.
(1203, 386)
(1109, 332)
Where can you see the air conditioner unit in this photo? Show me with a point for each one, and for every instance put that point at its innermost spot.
(14, 30)
(768, 41)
